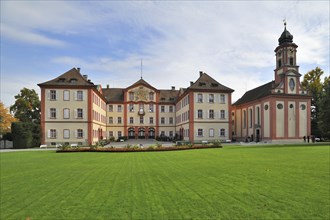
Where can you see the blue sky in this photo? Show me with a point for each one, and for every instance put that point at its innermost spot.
(232, 41)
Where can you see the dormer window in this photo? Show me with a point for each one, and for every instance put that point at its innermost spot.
(73, 80)
(61, 80)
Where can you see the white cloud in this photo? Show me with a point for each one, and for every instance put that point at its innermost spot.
(30, 37)
(233, 42)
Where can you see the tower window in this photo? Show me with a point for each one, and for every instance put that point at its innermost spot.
(291, 61)
(279, 63)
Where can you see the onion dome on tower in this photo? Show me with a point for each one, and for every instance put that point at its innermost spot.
(286, 37)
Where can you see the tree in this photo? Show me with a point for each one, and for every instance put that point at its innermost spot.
(27, 106)
(312, 83)
(5, 120)
(324, 106)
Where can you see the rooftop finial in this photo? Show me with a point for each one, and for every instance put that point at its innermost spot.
(141, 68)
(284, 21)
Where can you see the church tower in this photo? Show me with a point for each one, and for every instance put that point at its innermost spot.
(287, 71)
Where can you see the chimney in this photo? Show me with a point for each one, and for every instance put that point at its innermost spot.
(78, 69)
(200, 73)
(108, 86)
(191, 83)
(173, 87)
(85, 76)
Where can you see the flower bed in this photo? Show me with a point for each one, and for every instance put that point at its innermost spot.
(135, 148)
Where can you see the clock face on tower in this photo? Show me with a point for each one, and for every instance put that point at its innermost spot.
(291, 84)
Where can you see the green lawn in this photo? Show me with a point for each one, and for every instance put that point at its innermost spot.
(283, 182)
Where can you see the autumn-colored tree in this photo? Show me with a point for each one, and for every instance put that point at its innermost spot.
(5, 119)
(27, 106)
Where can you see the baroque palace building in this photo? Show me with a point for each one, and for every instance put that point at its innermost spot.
(76, 111)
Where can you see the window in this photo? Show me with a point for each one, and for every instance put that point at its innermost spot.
(131, 107)
(141, 120)
(131, 120)
(222, 132)
(266, 107)
(244, 119)
(151, 96)
(80, 113)
(162, 120)
(200, 98)
(119, 108)
(79, 96)
(66, 133)
(151, 107)
(151, 120)
(303, 106)
(280, 106)
(291, 61)
(199, 113)
(162, 133)
(250, 118)
(110, 108)
(200, 132)
(211, 132)
(258, 115)
(52, 95)
(110, 133)
(66, 113)
(222, 114)
(80, 133)
(131, 96)
(52, 133)
(279, 63)
(119, 120)
(170, 120)
(162, 108)
(171, 108)
(222, 98)
(171, 134)
(119, 134)
(110, 120)
(52, 113)
(211, 98)
(211, 113)
(66, 95)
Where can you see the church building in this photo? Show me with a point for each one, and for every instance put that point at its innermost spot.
(278, 110)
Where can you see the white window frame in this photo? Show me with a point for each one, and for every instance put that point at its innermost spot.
(211, 98)
(66, 95)
(66, 113)
(211, 132)
(80, 133)
(222, 98)
(66, 134)
(52, 113)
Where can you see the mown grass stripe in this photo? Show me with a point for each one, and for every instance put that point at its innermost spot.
(228, 183)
